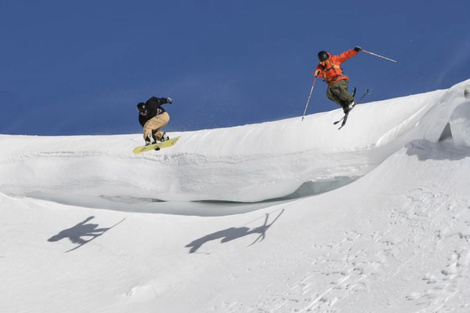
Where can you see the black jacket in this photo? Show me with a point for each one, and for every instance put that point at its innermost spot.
(154, 108)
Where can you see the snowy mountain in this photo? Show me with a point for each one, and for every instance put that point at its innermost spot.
(283, 216)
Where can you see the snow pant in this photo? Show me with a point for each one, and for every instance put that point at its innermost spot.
(155, 124)
(339, 94)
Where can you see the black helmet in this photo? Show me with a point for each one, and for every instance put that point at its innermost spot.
(323, 56)
(142, 108)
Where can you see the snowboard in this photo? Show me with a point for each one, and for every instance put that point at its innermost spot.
(157, 146)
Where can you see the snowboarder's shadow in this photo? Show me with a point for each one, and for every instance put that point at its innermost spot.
(79, 232)
(233, 233)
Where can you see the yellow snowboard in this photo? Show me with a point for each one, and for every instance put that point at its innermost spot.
(157, 146)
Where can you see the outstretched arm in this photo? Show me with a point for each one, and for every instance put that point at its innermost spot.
(160, 101)
(348, 54)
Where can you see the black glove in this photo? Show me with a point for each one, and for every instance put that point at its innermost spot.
(358, 48)
(168, 100)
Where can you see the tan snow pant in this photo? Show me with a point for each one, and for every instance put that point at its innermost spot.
(155, 124)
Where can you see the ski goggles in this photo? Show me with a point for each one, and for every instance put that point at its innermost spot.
(143, 112)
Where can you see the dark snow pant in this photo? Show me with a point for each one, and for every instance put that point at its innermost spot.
(339, 94)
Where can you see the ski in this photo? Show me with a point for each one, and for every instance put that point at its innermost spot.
(345, 117)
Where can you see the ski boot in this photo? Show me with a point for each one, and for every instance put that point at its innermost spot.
(349, 107)
(164, 137)
(150, 140)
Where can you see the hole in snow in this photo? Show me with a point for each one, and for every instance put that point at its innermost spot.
(307, 189)
(446, 133)
(318, 187)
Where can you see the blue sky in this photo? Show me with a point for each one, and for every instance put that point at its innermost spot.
(80, 67)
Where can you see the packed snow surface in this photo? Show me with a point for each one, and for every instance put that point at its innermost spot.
(282, 216)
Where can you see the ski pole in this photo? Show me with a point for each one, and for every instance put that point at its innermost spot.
(380, 56)
(308, 101)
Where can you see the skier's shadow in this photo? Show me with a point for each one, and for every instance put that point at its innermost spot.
(79, 232)
(233, 233)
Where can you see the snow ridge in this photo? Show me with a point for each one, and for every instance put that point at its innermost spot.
(394, 236)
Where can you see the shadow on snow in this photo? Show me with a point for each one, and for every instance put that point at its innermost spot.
(79, 232)
(233, 233)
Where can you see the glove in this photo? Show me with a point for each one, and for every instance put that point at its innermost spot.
(168, 100)
(358, 48)
(316, 73)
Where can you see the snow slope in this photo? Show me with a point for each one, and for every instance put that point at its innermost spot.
(77, 233)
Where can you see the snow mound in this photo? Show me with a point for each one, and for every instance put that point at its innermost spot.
(395, 240)
(274, 158)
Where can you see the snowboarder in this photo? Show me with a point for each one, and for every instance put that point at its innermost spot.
(330, 69)
(153, 117)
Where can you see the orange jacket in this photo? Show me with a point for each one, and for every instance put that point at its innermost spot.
(331, 69)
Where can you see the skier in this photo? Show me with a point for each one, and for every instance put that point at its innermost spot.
(153, 117)
(330, 69)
